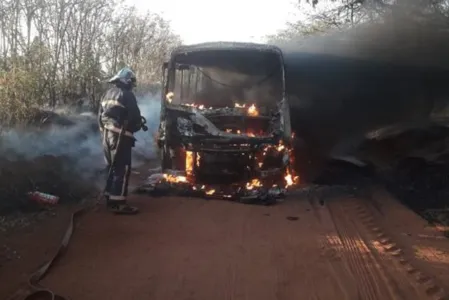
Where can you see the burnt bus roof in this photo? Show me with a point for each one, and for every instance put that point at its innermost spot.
(247, 57)
(297, 58)
(223, 46)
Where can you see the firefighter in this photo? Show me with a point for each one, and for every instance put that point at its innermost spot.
(119, 118)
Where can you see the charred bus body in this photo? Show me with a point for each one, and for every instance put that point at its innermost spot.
(224, 114)
(326, 107)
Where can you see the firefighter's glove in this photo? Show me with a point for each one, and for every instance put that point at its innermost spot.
(143, 123)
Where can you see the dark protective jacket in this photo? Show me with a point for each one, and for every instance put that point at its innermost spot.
(117, 105)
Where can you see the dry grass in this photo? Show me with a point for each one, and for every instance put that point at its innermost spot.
(19, 96)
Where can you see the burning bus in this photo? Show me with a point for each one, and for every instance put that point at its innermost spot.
(232, 113)
(225, 118)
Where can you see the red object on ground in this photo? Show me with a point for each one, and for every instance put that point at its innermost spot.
(43, 198)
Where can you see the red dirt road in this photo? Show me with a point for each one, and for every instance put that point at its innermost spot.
(181, 248)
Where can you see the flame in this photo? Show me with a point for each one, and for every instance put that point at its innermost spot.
(210, 192)
(253, 183)
(169, 97)
(198, 156)
(199, 106)
(252, 110)
(238, 131)
(175, 179)
(290, 179)
(189, 163)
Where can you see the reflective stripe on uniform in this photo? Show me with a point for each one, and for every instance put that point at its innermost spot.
(125, 180)
(111, 103)
(116, 198)
(112, 128)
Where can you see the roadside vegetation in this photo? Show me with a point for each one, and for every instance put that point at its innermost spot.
(57, 53)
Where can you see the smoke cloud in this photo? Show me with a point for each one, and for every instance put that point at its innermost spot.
(227, 88)
(406, 34)
(347, 84)
(146, 149)
(79, 143)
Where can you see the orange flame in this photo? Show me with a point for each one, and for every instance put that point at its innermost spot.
(210, 192)
(252, 111)
(199, 106)
(189, 163)
(290, 179)
(198, 157)
(175, 179)
(253, 183)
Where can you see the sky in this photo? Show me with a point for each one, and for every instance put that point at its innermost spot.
(199, 21)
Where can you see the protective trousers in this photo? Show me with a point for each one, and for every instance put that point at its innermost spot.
(118, 157)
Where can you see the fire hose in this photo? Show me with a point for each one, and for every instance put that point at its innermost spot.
(34, 291)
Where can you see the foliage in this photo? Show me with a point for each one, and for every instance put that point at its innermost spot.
(61, 51)
(329, 15)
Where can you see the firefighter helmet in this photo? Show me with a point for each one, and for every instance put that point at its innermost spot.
(125, 76)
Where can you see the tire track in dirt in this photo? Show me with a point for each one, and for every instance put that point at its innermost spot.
(372, 280)
(385, 245)
(356, 251)
(332, 251)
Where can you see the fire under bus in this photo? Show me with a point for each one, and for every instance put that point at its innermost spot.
(225, 124)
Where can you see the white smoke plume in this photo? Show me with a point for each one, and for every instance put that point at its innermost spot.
(145, 148)
(80, 143)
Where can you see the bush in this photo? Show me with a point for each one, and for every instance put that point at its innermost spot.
(19, 94)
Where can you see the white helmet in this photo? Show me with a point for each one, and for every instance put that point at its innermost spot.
(125, 76)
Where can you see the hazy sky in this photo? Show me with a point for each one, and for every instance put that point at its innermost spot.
(222, 20)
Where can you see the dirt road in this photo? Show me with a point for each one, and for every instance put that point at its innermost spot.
(180, 248)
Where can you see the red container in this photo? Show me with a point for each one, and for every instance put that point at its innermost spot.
(43, 198)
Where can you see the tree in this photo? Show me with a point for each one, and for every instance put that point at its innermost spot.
(343, 14)
(61, 51)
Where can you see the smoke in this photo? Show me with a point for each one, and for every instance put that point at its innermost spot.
(146, 149)
(80, 143)
(346, 84)
(223, 88)
(411, 33)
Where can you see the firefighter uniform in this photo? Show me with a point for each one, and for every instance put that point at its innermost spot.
(119, 118)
